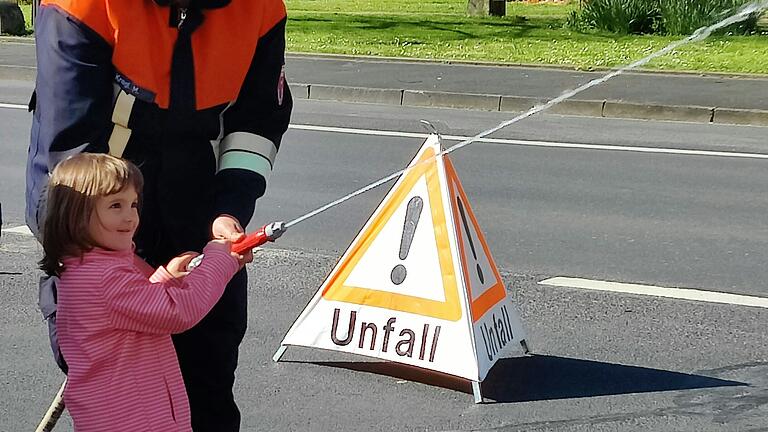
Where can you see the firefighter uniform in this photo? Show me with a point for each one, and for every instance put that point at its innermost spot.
(195, 97)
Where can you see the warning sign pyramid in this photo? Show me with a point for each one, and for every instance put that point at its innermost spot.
(418, 284)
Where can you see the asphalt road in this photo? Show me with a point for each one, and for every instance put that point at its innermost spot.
(602, 361)
(17, 61)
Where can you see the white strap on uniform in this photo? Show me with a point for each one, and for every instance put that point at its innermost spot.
(120, 116)
(118, 140)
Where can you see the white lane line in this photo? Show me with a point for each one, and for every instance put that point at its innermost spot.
(22, 229)
(354, 131)
(13, 106)
(549, 144)
(11, 41)
(675, 293)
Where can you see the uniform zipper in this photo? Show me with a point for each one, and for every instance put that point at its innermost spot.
(182, 16)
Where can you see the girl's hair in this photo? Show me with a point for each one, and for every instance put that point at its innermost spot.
(74, 187)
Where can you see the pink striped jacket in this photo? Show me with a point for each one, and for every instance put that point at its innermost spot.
(115, 318)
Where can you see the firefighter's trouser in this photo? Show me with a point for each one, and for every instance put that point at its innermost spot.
(177, 211)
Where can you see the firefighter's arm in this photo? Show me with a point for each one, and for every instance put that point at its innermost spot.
(253, 128)
(74, 87)
(72, 99)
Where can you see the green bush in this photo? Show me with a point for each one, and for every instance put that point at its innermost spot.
(683, 17)
(677, 17)
(618, 16)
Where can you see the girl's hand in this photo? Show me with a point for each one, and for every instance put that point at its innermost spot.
(177, 266)
(225, 245)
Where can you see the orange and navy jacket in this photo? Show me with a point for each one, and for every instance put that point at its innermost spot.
(112, 71)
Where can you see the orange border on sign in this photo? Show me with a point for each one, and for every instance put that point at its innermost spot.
(496, 293)
(450, 309)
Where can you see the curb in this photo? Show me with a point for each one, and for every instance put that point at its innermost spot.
(693, 114)
(487, 102)
(741, 117)
(575, 107)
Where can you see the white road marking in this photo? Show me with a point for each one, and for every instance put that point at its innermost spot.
(22, 229)
(676, 293)
(14, 41)
(549, 144)
(355, 131)
(13, 106)
(552, 144)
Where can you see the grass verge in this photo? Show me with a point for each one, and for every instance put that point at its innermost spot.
(528, 34)
(26, 9)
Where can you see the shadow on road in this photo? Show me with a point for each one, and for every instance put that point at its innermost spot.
(543, 377)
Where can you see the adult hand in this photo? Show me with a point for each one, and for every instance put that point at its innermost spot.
(177, 266)
(228, 228)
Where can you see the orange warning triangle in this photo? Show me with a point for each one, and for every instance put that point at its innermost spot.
(420, 265)
(481, 276)
(447, 304)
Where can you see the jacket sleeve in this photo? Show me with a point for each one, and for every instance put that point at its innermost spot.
(72, 99)
(144, 268)
(253, 128)
(168, 306)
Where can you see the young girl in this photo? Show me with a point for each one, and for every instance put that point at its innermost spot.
(115, 315)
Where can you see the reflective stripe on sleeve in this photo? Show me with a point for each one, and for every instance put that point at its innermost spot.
(247, 151)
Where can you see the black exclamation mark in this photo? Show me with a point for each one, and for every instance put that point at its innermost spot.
(412, 214)
(469, 237)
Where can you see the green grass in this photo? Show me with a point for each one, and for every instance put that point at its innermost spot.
(406, 7)
(26, 9)
(529, 34)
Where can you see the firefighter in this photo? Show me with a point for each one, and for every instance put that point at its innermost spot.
(194, 93)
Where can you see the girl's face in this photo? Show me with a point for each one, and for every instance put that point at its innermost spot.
(114, 220)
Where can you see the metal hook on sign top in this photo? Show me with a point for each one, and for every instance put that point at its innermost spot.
(432, 129)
